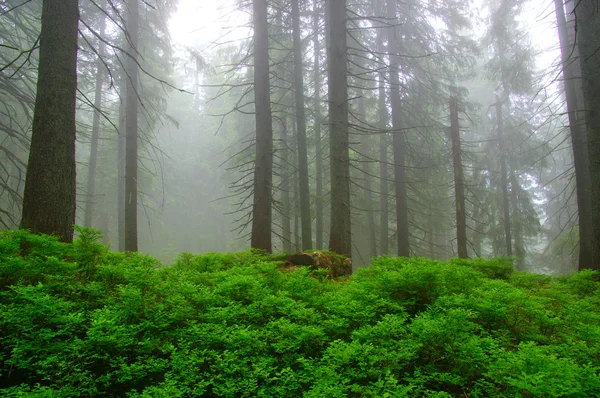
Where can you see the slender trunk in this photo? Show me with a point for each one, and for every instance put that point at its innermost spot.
(301, 131)
(368, 194)
(459, 189)
(318, 121)
(91, 182)
(503, 178)
(286, 235)
(340, 229)
(383, 157)
(398, 142)
(121, 164)
(131, 127)
(263, 172)
(516, 223)
(578, 141)
(49, 197)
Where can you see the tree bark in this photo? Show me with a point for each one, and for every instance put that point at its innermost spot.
(503, 179)
(131, 128)
(340, 229)
(398, 142)
(301, 130)
(121, 163)
(286, 234)
(588, 38)
(91, 181)
(459, 188)
(578, 142)
(317, 128)
(263, 172)
(49, 197)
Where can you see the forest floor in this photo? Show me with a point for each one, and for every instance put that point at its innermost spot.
(79, 320)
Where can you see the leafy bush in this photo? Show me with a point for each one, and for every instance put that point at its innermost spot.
(78, 320)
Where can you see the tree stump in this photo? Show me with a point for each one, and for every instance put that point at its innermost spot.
(335, 264)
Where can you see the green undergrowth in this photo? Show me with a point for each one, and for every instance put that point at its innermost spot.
(79, 320)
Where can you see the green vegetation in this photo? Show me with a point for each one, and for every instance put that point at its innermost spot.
(78, 320)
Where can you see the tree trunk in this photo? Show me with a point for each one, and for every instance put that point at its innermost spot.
(503, 178)
(49, 198)
(398, 142)
(91, 182)
(516, 222)
(383, 156)
(131, 127)
(317, 128)
(121, 163)
(340, 229)
(459, 189)
(301, 131)
(578, 142)
(263, 172)
(286, 234)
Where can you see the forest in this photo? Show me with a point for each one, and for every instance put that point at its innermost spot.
(321, 198)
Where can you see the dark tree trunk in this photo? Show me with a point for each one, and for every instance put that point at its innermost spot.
(340, 228)
(398, 142)
(383, 157)
(459, 189)
(91, 182)
(317, 127)
(503, 179)
(49, 198)
(578, 141)
(131, 128)
(121, 164)
(263, 172)
(516, 222)
(301, 131)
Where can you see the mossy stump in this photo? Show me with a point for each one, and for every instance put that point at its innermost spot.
(336, 264)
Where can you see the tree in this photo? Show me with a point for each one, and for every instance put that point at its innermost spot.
(317, 128)
(340, 232)
(459, 189)
(49, 198)
(305, 217)
(263, 174)
(131, 128)
(588, 39)
(91, 182)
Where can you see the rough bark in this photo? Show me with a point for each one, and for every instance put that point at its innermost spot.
(91, 181)
(588, 38)
(398, 142)
(121, 164)
(49, 197)
(317, 129)
(578, 141)
(286, 228)
(340, 228)
(131, 129)
(301, 130)
(263, 171)
(459, 188)
(503, 179)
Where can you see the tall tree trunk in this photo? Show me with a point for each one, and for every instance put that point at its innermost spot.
(578, 142)
(368, 190)
(131, 127)
(286, 234)
(263, 172)
(503, 178)
(49, 198)
(301, 131)
(91, 182)
(459, 189)
(588, 37)
(398, 141)
(339, 146)
(317, 128)
(383, 156)
(121, 163)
